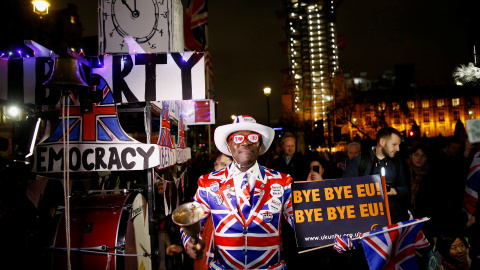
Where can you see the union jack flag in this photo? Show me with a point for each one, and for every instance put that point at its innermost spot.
(165, 138)
(196, 18)
(471, 190)
(99, 125)
(393, 247)
(181, 135)
(195, 29)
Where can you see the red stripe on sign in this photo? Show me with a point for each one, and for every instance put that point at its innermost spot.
(202, 111)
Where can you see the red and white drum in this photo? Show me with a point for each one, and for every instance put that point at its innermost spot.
(100, 225)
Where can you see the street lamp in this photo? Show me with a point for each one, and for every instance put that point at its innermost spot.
(40, 7)
(233, 116)
(267, 91)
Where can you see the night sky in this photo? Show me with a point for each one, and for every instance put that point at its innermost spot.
(434, 36)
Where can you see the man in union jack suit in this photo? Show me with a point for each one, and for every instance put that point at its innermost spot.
(246, 202)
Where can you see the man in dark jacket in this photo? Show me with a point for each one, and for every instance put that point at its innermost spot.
(383, 155)
(290, 162)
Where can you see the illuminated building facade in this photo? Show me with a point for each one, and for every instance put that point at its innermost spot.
(313, 58)
(435, 110)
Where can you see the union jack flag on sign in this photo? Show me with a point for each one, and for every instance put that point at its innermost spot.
(165, 138)
(181, 135)
(471, 190)
(101, 125)
(392, 247)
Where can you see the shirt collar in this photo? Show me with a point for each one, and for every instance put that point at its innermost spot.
(255, 170)
(287, 160)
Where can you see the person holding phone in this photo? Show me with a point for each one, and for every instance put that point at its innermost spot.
(316, 171)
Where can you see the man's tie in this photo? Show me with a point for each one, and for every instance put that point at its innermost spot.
(245, 200)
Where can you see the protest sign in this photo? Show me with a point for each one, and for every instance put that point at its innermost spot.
(348, 206)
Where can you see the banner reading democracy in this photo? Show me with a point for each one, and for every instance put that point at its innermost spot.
(347, 206)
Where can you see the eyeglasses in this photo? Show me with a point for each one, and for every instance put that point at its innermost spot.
(238, 138)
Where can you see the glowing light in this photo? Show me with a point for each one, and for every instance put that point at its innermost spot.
(13, 111)
(40, 7)
(267, 91)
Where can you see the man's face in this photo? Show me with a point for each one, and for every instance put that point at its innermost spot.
(353, 151)
(390, 146)
(453, 149)
(288, 146)
(245, 153)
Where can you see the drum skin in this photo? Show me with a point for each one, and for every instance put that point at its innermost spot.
(110, 220)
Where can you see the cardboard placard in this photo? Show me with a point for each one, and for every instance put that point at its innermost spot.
(323, 209)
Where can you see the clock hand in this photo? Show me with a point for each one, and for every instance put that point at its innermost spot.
(135, 12)
(125, 3)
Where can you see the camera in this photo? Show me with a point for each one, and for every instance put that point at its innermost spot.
(389, 188)
(316, 169)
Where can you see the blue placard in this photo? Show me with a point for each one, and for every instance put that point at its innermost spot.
(323, 209)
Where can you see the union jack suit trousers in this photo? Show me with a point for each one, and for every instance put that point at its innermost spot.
(256, 242)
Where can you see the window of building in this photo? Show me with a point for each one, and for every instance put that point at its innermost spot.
(395, 106)
(396, 118)
(411, 105)
(456, 115)
(72, 19)
(440, 102)
(441, 116)
(426, 117)
(425, 104)
(455, 102)
(381, 106)
(411, 118)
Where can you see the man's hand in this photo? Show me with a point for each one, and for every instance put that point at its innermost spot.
(470, 222)
(195, 251)
(468, 148)
(392, 192)
(172, 249)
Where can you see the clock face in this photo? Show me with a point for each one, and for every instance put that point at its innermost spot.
(144, 20)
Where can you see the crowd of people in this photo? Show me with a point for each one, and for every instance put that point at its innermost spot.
(424, 178)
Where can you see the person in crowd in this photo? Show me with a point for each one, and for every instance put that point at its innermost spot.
(290, 162)
(442, 193)
(221, 161)
(238, 195)
(418, 167)
(384, 155)
(315, 174)
(454, 251)
(473, 233)
(353, 149)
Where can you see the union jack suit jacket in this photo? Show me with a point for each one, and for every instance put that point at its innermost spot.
(256, 242)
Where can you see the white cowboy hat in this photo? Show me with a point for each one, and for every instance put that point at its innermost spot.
(243, 122)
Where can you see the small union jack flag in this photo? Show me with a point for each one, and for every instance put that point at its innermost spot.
(393, 247)
(181, 135)
(165, 139)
